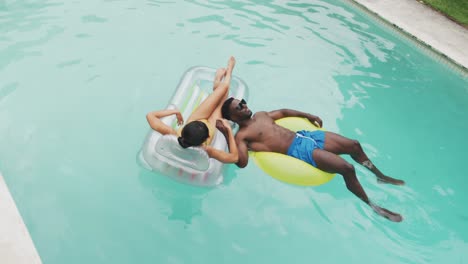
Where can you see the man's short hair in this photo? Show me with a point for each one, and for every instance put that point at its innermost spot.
(225, 111)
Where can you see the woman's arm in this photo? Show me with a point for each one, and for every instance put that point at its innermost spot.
(225, 157)
(242, 149)
(154, 120)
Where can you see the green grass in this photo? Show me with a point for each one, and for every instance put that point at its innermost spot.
(455, 9)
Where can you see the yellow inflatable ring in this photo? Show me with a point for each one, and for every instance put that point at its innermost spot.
(289, 169)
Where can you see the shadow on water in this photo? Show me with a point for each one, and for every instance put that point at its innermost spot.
(182, 201)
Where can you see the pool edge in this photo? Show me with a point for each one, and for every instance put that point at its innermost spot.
(441, 50)
(16, 245)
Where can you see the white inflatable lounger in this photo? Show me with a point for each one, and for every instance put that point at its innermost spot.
(162, 153)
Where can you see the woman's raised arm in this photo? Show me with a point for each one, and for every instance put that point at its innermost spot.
(154, 120)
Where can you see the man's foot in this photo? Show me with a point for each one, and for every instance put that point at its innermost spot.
(394, 217)
(220, 73)
(390, 180)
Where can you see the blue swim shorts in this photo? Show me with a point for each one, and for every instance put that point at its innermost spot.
(305, 143)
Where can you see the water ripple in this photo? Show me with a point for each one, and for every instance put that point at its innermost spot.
(7, 89)
(93, 19)
(68, 63)
(213, 18)
(108, 63)
(23, 28)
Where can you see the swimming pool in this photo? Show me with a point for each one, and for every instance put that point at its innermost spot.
(77, 78)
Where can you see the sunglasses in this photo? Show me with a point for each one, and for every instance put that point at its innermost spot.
(241, 103)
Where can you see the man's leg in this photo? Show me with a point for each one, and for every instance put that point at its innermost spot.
(333, 163)
(341, 145)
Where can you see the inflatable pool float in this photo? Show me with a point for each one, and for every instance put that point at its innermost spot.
(162, 153)
(289, 169)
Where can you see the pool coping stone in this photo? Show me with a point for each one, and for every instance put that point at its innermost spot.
(426, 25)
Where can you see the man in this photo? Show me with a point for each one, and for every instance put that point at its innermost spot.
(318, 148)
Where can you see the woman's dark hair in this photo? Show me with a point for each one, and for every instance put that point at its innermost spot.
(193, 134)
(225, 111)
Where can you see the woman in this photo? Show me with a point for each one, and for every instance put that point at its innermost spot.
(200, 127)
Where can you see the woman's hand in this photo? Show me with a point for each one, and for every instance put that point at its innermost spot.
(180, 119)
(226, 157)
(223, 126)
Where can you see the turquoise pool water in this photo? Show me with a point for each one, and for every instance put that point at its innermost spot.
(78, 77)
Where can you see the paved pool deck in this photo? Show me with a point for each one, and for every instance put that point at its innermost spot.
(412, 17)
(16, 246)
(425, 24)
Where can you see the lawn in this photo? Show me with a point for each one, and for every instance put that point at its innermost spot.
(455, 9)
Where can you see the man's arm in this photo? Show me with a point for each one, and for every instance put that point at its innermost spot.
(242, 150)
(280, 113)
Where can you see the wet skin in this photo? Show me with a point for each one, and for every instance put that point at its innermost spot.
(259, 132)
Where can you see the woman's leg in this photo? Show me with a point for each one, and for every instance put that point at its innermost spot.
(217, 111)
(206, 109)
(226, 81)
(220, 73)
(227, 75)
(209, 105)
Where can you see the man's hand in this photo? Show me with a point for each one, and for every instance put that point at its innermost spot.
(315, 120)
(281, 113)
